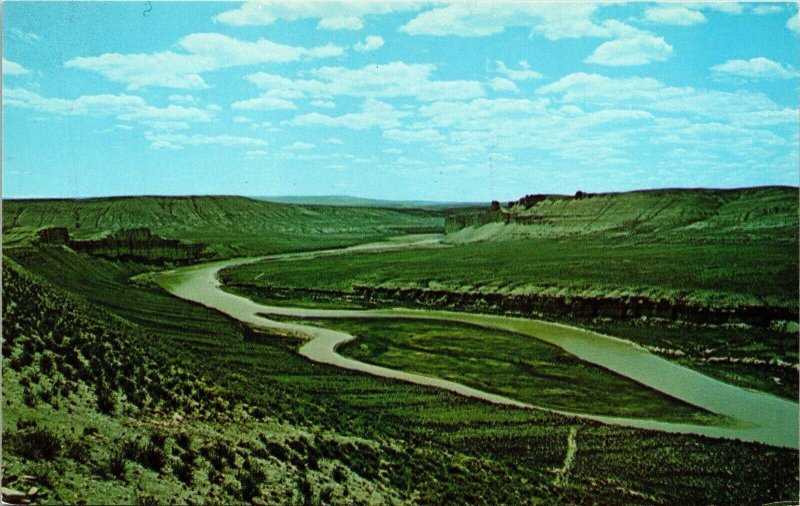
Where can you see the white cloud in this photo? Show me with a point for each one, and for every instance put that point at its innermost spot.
(206, 52)
(28, 37)
(242, 119)
(374, 113)
(523, 74)
(552, 20)
(501, 84)
(631, 47)
(425, 135)
(323, 103)
(183, 99)
(392, 151)
(396, 79)
(169, 113)
(794, 23)
(474, 115)
(371, 43)
(673, 15)
(764, 10)
(168, 126)
(177, 141)
(332, 15)
(341, 23)
(733, 8)
(652, 95)
(264, 103)
(299, 146)
(124, 107)
(334, 140)
(756, 68)
(256, 153)
(11, 68)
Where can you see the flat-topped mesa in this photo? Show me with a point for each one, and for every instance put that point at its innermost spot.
(739, 214)
(133, 243)
(53, 235)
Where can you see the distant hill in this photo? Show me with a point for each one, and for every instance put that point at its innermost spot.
(348, 201)
(229, 225)
(737, 213)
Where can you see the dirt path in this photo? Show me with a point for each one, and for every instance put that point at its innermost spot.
(562, 475)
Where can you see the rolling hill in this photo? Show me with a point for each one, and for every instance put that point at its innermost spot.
(672, 214)
(228, 225)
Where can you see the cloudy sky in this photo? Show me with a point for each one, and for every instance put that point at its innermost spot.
(462, 101)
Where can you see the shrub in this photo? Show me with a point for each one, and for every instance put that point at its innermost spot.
(78, 451)
(106, 400)
(117, 464)
(184, 471)
(37, 443)
(147, 500)
(153, 457)
(158, 438)
(183, 440)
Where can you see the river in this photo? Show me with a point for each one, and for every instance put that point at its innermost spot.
(757, 416)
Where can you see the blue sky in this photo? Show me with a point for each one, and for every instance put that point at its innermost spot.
(462, 101)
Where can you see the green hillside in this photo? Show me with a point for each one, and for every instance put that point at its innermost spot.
(173, 402)
(228, 225)
(662, 214)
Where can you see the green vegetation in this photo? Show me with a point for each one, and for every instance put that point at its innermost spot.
(229, 226)
(280, 413)
(568, 266)
(115, 391)
(518, 367)
(726, 260)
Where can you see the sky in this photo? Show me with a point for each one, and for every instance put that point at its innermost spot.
(461, 101)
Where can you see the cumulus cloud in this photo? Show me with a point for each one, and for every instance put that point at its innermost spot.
(11, 68)
(178, 141)
(479, 19)
(794, 23)
(396, 79)
(374, 113)
(327, 104)
(653, 95)
(332, 15)
(673, 15)
(183, 99)
(264, 103)
(764, 10)
(205, 52)
(756, 68)
(300, 146)
(631, 47)
(371, 43)
(405, 136)
(524, 73)
(501, 84)
(123, 107)
(334, 140)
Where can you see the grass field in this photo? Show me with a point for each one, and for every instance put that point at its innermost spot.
(712, 273)
(508, 364)
(427, 446)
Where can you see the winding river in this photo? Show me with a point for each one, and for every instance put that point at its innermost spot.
(757, 416)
